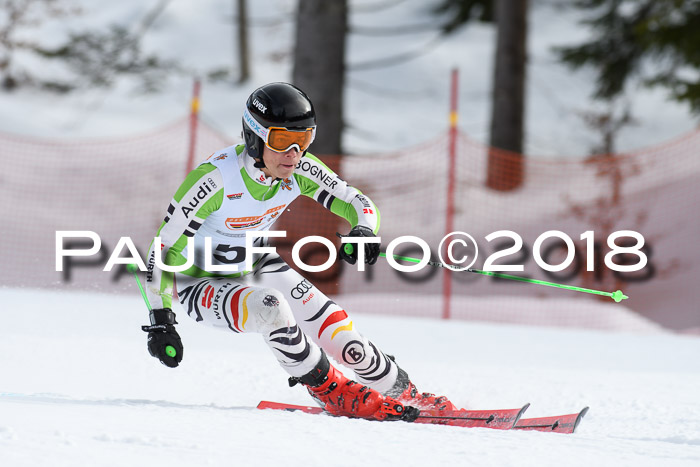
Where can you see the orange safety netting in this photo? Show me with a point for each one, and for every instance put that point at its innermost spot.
(121, 187)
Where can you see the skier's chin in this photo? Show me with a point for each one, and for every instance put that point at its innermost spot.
(285, 171)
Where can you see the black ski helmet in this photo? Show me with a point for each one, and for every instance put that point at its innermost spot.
(280, 105)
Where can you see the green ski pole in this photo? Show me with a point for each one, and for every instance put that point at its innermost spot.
(133, 269)
(618, 296)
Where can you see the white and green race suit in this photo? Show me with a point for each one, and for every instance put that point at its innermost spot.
(221, 200)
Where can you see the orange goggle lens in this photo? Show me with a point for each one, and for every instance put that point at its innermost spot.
(282, 139)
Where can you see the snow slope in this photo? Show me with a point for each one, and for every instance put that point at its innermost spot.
(77, 387)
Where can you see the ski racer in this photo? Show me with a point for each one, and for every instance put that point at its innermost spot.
(247, 188)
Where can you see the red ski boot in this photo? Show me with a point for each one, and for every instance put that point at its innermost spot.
(406, 392)
(342, 396)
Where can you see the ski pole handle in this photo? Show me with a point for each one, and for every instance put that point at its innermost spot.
(349, 249)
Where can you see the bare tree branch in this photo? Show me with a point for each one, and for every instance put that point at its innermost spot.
(397, 59)
(395, 30)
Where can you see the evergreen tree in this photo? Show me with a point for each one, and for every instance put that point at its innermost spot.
(460, 12)
(654, 41)
(88, 58)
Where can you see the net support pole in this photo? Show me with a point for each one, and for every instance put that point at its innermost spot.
(451, 175)
(194, 121)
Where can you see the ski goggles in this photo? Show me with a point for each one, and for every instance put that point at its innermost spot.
(281, 139)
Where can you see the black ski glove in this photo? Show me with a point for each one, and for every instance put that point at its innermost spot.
(164, 342)
(371, 249)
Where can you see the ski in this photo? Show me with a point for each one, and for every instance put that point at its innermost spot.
(290, 407)
(556, 424)
(496, 419)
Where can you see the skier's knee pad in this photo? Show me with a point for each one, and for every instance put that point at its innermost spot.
(270, 308)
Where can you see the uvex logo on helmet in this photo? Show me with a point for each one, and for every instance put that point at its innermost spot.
(254, 125)
(259, 105)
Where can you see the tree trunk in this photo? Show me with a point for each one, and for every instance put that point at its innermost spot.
(319, 67)
(243, 56)
(505, 164)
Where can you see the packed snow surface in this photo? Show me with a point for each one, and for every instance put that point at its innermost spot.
(79, 388)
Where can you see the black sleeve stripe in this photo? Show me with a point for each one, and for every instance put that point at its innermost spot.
(189, 233)
(322, 196)
(167, 218)
(171, 209)
(329, 202)
(194, 225)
